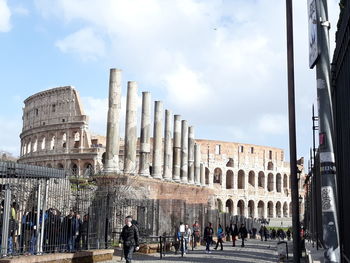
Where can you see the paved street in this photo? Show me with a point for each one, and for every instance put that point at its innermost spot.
(255, 251)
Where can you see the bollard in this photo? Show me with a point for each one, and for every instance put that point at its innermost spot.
(182, 246)
(160, 247)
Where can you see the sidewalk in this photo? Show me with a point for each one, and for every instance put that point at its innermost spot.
(254, 251)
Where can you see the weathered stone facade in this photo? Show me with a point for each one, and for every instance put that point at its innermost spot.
(241, 179)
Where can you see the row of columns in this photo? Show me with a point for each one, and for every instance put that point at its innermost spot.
(176, 160)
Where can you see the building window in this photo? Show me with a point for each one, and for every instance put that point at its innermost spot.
(251, 149)
(54, 108)
(218, 149)
(241, 149)
(36, 112)
(270, 154)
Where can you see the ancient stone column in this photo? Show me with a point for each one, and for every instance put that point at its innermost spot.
(191, 155)
(197, 160)
(202, 174)
(184, 151)
(145, 141)
(130, 129)
(177, 148)
(167, 171)
(157, 140)
(112, 139)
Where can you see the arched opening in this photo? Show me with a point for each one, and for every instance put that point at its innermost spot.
(207, 175)
(230, 163)
(88, 169)
(43, 143)
(290, 209)
(285, 209)
(64, 140)
(261, 209)
(52, 142)
(229, 179)
(290, 182)
(270, 166)
(278, 209)
(270, 182)
(76, 139)
(270, 209)
(229, 206)
(240, 180)
(285, 181)
(251, 209)
(261, 179)
(279, 183)
(251, 178)
(49, 165)
(74, 169)
(35, 145)
(217, 176)
(219, 205)
(104, 158)
(240, 208)
(29, 147)
(60, 166)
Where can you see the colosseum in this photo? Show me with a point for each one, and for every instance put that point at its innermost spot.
(245, 179)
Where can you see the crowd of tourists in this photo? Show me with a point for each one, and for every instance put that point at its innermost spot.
(61, 233)
(231, 233)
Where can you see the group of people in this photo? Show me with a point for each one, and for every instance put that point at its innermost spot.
(274, 234)
(60, 233)
(184, 234)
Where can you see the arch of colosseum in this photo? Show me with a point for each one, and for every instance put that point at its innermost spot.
(246, 179)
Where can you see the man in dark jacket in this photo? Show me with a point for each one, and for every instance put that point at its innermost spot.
(234, 233)
(244, 233)
(208, 237)
(130, 238)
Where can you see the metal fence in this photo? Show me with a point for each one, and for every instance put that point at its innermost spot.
(46, 210)
(340, 97)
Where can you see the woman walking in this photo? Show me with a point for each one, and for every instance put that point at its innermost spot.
(220, 235)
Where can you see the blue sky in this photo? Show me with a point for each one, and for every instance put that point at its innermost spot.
(220, 64)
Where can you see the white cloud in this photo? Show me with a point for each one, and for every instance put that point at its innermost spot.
(85, 43)
(273, 124)
(5, 15)
(217, 63)
(20, 10)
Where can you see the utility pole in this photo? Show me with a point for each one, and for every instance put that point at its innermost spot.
(326, 129)
(292, 134)
(313, 167)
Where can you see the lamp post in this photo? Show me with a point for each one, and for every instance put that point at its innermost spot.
(292, 133)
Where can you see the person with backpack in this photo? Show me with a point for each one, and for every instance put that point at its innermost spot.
(130, 239)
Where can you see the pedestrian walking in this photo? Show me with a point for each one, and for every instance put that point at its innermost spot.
(196, 233)
(220, 235)
(234, 233)
(208, 237)
(187, 237)
(244, 233)
(130, 239)
(261, 232)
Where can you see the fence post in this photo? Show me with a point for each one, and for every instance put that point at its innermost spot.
(160, 247)
(5, 221)
(40, 248)
(192, 242)
(37, 241)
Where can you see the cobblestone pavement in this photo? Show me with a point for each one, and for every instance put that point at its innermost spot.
(254, 251)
